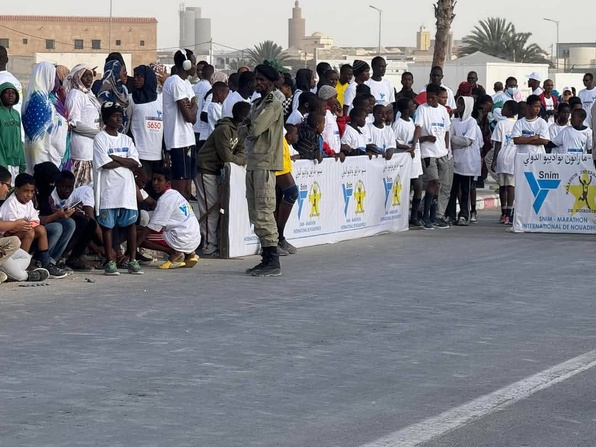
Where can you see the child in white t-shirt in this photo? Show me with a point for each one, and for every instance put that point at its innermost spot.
(561, 120)
(173, 228)
(356, 139)
(574, 139)
(504, 159)
(114, 159)
(220, 91)
(381, 135)
(530, 133)
(404, 129)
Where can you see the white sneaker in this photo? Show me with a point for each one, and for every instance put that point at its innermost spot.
(3, 277)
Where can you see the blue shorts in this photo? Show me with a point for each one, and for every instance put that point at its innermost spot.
(117, 216)
(184, 163)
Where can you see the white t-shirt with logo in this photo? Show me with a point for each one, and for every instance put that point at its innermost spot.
(200, 88)
(466, 160)
(434, 121)
(404, 134)
(525, 128)
(83, 194)
(331, 132)
(588, 98)
(174, 215)
(177, 132)
(230, 101)
(573, 141)
(383, 138)
(506, 156)
(350, 94)
(356, 139)
(146, 124)
(114, 188)
(382, 90)
(81, 109)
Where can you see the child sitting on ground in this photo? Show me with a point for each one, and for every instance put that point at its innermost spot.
(173, 228)
(19, 206)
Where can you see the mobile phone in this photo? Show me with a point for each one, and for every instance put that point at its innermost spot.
(75, 205)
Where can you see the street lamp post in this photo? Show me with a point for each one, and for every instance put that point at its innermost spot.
(380, 25)
(556, 22)
(110, 30)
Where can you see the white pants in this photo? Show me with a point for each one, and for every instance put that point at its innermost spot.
(16, 266)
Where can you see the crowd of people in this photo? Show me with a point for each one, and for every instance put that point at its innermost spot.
(106, 168)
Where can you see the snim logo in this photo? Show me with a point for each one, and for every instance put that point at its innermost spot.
(541, 187)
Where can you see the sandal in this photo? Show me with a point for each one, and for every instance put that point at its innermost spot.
(172, 265)
(191, 261)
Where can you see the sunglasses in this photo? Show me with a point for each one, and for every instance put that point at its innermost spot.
(8, 185)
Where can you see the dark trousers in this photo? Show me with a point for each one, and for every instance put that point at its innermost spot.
(461, 184)
(83, 234)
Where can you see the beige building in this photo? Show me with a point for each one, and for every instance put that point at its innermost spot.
(27, 36)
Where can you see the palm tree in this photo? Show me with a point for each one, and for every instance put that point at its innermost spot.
(499, 38)
(444, 15)
(267, 50)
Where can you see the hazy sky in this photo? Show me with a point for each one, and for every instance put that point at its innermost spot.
(244, 23)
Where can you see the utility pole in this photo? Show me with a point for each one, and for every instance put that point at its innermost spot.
(556, 53)
(380, 26)
(110, 30)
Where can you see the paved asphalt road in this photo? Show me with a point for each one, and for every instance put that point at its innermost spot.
(356, 342)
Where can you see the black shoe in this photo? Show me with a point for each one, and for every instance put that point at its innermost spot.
(416, 223)
(55, 272)
(271, 265)
(285, 245)
(428, 225)
(37, 275)
(143, 260)
(78, 265)
(441, 224)
(192, 198)
(259, 266)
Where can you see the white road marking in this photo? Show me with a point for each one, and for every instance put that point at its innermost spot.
(437, 426)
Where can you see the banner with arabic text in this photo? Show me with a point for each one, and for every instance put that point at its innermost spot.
(555, 193)
(337, 201)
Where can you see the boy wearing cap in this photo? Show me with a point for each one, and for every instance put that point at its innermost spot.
(114, 158)
(263, 132)
(534, 80)
(361, 71)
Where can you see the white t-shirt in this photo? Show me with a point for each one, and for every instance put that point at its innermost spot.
(146, 124)
(588, 98)
(114, 188)
(434, 121)
(296, 99)
(177, 132)
(200, 88)
(450, 96)
(12, 210)
(174, 215)
(550, 106)
(573, 141)
(230, 101)
(203, 126)
(356, 139)
(554, 130)
(382, 90)
(466, 160)
(214, 114)
(404, 134)
(383, 138)
(83, 194)
(350, 94)
(81, 109)
(506, 156)
(296, 118)
(331, 132)
(525, 128)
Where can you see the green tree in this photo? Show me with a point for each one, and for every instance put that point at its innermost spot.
(498, 37)
(267, 50)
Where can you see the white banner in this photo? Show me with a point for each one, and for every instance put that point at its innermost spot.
(555, 193)
(337, 201)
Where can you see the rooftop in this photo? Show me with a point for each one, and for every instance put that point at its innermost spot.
(12, 18)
